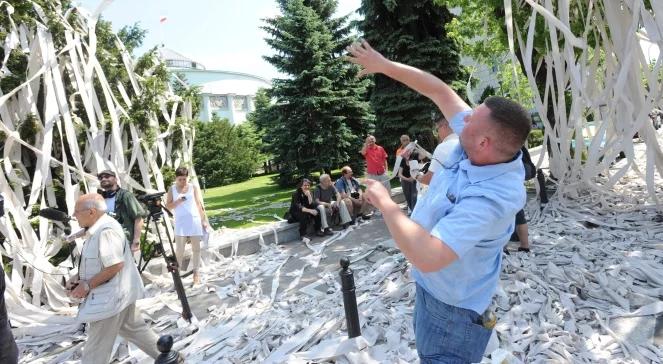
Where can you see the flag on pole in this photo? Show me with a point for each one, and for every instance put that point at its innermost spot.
(163, 19)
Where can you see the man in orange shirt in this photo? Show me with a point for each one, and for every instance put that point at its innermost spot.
(405, 140)
(376, 161)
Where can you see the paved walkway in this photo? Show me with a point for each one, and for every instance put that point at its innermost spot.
(361, 239)
(284, 304)
(371, 243)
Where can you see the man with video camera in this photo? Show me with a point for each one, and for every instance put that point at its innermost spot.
(109, 283)
(122, 204)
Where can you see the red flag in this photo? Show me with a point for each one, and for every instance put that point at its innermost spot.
(163, 19)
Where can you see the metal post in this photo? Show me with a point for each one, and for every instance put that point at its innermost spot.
(164, 344)
(349, 299)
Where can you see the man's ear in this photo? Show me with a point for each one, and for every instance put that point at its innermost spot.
(485, 142)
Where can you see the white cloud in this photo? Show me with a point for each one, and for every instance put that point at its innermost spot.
(270, 10)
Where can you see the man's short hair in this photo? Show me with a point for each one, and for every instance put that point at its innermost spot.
(324, 177)
(94, 202)
(345, 170)
(513, 123)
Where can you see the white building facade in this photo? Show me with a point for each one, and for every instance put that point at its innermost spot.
(227, 94)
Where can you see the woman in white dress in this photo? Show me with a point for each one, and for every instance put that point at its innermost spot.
(190, 220)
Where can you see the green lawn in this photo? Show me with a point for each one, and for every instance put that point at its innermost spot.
(251, 203)
(247, 204)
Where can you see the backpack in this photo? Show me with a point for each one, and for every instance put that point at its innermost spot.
(530, 168)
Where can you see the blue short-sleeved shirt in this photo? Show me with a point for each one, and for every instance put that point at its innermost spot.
(471, 209)
(342, 185)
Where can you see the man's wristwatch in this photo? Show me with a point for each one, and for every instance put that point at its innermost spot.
(86, 286)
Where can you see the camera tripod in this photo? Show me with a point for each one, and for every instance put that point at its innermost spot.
(156, 213)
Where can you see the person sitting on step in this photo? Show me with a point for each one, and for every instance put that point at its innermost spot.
(330, 204)
(352, 194)
(303, 209)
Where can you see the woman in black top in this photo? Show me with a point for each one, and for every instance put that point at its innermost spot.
(303, 209)
(408, 182)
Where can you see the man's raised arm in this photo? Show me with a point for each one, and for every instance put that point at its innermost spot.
(423, 82)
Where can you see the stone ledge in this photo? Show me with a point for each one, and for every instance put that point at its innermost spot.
(248, 239)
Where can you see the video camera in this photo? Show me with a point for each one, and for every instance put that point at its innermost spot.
(153, 202)
(156, 209)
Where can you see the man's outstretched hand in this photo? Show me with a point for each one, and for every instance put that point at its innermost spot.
(377, 195)
(369, 59)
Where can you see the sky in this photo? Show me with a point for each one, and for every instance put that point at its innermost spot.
(220, 34)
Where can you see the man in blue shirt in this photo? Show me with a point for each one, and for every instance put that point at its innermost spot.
(351, 194)
(455, 237)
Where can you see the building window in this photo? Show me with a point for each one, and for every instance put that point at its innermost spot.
(218, 102)
(240, 104)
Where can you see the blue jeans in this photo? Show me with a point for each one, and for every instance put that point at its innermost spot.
(447, 334)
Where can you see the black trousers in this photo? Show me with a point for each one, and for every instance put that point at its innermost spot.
(410, 192)
(8, 349)
(520, 220)
(305, 220)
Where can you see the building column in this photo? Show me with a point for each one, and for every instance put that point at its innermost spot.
(231, 108)
(205, 109)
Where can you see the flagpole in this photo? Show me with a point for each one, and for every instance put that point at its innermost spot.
(162, 21)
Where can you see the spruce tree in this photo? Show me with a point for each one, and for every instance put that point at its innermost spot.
(413, 33)
(319, 116)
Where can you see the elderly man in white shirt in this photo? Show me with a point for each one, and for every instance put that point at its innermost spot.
(109, 283)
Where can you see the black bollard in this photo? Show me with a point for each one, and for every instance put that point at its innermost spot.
(164, 344)
(349, 299)
(541, 179)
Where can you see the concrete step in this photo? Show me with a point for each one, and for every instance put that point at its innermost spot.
(247, 241)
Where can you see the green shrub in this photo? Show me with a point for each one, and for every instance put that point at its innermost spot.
(535, 138)
(225, 153)
(168, 174)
